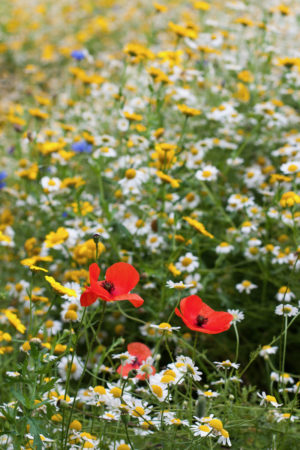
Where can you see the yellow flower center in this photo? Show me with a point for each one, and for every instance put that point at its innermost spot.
(123, 447)
(292, 168)
(225, 433)
(139, 223)
(253, 250)
(164, 325)
(138, 411)
(284, 289)
(157, 390)
(206, 173)
(226, 363)
(130, 174)
(204, 428)
(75, 425)
(49, 323)
(116, 392)
(224, 244)
(170, 372)
(179, 364)
(246, 283)
(270, 398)
(167, 379)
(190, 197)
(186, 261)
(216, 424)
(100, 390)
(73, 367)
(71, 315)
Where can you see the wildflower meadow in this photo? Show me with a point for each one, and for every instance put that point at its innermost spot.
(149, 224)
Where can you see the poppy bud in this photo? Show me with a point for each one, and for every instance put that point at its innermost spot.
(200, 407)
(96, 238)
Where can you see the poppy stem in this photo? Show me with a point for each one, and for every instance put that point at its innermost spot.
(237, 342)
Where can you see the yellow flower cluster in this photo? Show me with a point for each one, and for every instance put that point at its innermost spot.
(289, 199)
(59, 288)
(56, 237)
(14, 320)
(34, 259)
(5, 337)
(198, 226)
(164, 177)
(187, 111)
(84, 208)
(87, 251)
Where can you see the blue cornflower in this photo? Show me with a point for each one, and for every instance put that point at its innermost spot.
(79, 55)
(82, 147)
(2, 176)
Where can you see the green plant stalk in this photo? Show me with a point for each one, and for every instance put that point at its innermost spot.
(83, 372)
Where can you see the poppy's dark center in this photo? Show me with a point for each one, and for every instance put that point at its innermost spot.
(201, 320)
(108, 286)
(136, 362)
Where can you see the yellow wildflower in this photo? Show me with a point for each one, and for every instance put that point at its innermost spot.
(198, 226)
(289, 199)
(164, 177)
(14, 320)
(56, 237)
(190, 112)
(59, 288)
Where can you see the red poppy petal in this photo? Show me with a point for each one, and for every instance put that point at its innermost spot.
(88, 297)
(192, 326)
(123, 276)
(135, 299)
(141, 351)
(101, 292)
(190, 305)
(94, 270)
(124, 370)
(219, 320)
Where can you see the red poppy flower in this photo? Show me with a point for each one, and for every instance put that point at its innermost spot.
(200, 317)
(120, 279)
(141, 352)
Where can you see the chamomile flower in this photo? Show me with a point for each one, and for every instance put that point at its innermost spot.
(187, 263)
(280, 417)
(158, 388)
(291, 167)
(226, 365)
(133, 180)
(165, 327)
(286, 310)
(207, 173)
(224, 248)
(186, 366)
(284, 294)
(208, 394)
(267, 350)
(224, 438)
(238, 315)
(178, 285)
(245, 286)
(194, 280)
(201, 429)
(52, 327)
(119, 445)
(51, 184)
(268, 399)
(66, 365)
